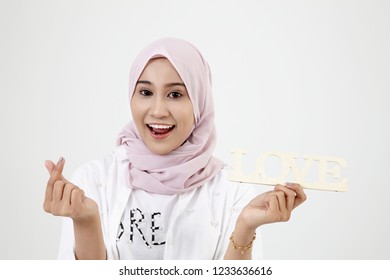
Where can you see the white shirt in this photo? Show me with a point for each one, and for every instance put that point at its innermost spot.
(144, 225)
(199, 227)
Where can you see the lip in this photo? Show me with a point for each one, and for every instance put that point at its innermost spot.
(159, 136)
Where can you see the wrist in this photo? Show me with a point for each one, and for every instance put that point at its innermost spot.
(244, 223)
(87, 220)
(243, 233)
(240, 246)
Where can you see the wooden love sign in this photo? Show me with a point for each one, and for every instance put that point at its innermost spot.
(327, 170)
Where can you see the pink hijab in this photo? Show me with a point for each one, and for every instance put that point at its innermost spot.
(192, 164)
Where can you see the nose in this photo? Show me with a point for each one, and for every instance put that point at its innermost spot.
(159, 108)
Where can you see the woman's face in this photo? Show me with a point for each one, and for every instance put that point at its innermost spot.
(161, 107)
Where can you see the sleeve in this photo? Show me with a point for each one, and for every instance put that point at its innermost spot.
(66, 249)
(239, 195)
(245, 193)
(85, 177)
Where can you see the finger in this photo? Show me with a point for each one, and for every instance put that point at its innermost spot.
(58, 191)
(49, 187)
(48, 194)
(67, 193)
(273, 211)
(281, 192)
(300, 197)
(290, 196)
(290, 203)
(273, 203)
(56, 173)
(77, 197)
(281, 200)
(77, 201)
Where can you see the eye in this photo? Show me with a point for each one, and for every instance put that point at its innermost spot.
(175, 94)
(145, 92)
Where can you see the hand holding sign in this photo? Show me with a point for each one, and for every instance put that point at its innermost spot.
(273, 206)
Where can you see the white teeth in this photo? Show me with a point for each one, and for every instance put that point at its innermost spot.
(160, 126)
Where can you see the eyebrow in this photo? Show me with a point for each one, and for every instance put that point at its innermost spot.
(166, 85)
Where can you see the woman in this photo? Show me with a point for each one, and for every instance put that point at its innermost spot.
(162, 194)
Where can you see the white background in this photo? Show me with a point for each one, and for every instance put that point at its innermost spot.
(310, 77)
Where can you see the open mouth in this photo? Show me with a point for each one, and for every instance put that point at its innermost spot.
(160, 129)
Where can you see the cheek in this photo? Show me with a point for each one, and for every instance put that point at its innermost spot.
(136, 110)
(188, 118)
(190, 114)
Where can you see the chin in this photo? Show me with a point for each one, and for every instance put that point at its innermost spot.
(159, 151)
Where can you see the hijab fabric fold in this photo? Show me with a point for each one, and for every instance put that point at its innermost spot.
(192, 164)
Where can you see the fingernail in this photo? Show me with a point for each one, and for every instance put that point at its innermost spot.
(60, 160)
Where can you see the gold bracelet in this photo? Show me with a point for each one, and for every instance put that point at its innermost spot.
(242, 248)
